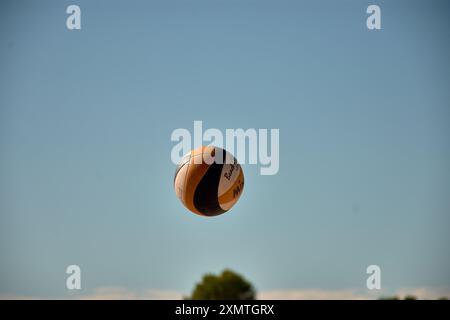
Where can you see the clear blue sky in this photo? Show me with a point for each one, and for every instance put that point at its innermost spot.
(86, 118)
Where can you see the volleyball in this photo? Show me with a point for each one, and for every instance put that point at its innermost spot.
(208, 181)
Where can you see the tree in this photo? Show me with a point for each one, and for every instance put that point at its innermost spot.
(226, 286)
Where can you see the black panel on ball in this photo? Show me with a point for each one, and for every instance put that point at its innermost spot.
(206, 199)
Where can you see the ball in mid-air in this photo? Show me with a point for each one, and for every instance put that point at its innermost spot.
(208, 181)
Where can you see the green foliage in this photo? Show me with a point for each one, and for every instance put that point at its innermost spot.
(390, 298)
(226, 286)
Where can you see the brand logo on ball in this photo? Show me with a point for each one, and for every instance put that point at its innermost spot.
(228, 174)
